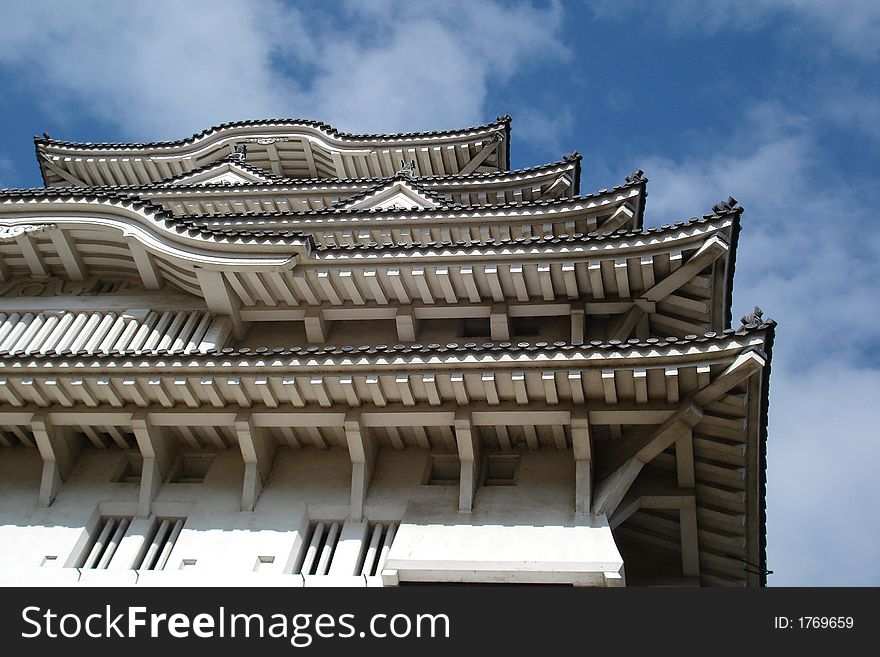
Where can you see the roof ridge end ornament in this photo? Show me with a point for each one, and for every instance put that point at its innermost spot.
(574, 156)
(503, 118)
(407, 170)
(730, 205)
(636, 176)
(754, 319)
(239, 153)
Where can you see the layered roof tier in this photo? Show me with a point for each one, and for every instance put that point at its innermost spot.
(293, 148)
(309, 285)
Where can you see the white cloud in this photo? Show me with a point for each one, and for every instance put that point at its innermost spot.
(823, 446)
(850, 25)
(166, 69)
(545, 129)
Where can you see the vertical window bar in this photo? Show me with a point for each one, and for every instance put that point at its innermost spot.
(98, 548)
(114, 543)
(386, 548)
(327, 552)
(370, 557)
(153, 552)
(312, 552)
(169, 545)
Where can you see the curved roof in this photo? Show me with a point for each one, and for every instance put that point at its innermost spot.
(325, 128)
(297, 148)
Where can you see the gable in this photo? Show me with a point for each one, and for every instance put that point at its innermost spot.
(225, 173)
(399, 194)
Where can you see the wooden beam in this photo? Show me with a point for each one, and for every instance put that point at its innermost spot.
(629, 455)
(470, 284)
(421, 282)
(684, 460)
(499, 323)
(652, 494)
(316, 325)
(258, 449)
(310, 157)
(622, 216)
(583, 456)
(274, 162)
(396, 281)
(220, 298)
(548, 380)
(710, 251)
(429, 380)
(59, 447)
(362, 449)
(494, 282)
(690, 547)
(70, 257)
(159, 450)
(746, 364)
(469, 453)
(488, 380)
(594, 272)
(621, 276)
(406, 323)
(627, 324)
(546, 282)
(32, 256)
(479, 158)
(519, 283)
(61, 172)
(518, 379)
(577, 324)
(442, 274)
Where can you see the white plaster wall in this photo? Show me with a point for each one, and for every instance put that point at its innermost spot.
(223, 544)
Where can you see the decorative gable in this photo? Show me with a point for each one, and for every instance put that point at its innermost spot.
(222, 173)
(397, 194)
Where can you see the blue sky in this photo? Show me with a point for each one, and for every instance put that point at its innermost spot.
(775, 102)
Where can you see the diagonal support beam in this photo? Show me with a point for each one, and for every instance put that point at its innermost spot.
(258, 449)
(363, 450)
(69, 177)
(622, 216)
(631, 455)
(711, 250)
(479, 158)
(32, 256)
(627, 324)
(746, 364)
(150, 274)
(70, 257)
